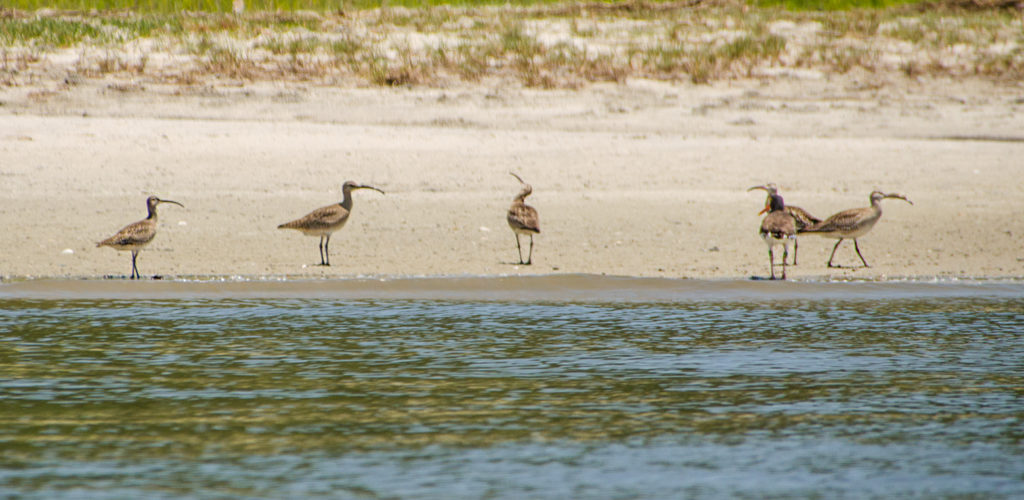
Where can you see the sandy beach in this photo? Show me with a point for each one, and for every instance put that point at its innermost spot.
(642, 179)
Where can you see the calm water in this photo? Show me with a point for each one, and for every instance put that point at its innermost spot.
(633, 389)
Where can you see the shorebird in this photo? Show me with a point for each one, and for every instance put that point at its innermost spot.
(802, 217)
(777, 228)
(853, 223)
(137, 235)
(523, 219)
(324, 221)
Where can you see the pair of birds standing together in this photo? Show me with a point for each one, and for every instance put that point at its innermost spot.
(322, 222)
(784, 222)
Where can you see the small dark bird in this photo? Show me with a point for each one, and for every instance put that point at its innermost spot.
(137, 235)
(523, 219)
(802, 217)
(324, 221)
(778, 228)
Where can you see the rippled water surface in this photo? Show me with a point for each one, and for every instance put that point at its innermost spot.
(286, 395)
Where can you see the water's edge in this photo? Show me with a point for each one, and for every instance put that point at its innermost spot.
(538, 288)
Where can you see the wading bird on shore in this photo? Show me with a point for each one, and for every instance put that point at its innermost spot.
(326, 220)
(523, 219)
(777, 228)
(853, 223)
(801, 217)
(135, 236)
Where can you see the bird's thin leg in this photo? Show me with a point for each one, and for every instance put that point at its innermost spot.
(327, 250)
(135, 270)
(529, 260)
(771, 261)
(785, 253)
(834, 252)
(321, 250)
(855, 247)
(796, 247)
(519, 247)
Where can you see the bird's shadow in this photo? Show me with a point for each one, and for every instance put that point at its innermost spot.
(849, 268)
(514, 264)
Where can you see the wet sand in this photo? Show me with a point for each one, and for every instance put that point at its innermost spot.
(561, 288)
(645, 179)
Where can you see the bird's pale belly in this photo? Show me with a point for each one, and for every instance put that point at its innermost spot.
(324, 230)
(772, 241)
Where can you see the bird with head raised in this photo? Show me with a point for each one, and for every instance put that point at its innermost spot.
(523, 218)
(324, 221)
(801, 217)
(135, 236)
(777, 229)
(853, 223)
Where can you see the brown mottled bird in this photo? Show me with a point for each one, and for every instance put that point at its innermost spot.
(324, 221)
(137, 235)
(802, 217)
(523, 219)
(853, 223)
(777, 228)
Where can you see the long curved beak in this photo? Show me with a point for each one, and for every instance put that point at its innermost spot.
(366, 186)
(899, 197)
(172, 201)
(767, 204)
(517, 177)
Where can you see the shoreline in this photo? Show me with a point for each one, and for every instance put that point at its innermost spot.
(537, 288)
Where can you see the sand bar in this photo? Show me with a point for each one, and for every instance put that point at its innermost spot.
(639, 179)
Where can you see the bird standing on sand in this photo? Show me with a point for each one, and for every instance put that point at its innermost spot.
(801, 217)
(777, 228)
(853, 223)
(523, 219)
(324, 221)
(137, 235)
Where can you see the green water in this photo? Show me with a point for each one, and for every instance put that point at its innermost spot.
(295, 397)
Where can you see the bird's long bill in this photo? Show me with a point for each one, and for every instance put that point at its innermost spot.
(767, 202)
(520, 179)
(172, 201)
(899, 197)
(366, 186)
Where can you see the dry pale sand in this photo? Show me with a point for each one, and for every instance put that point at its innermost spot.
(643, 179)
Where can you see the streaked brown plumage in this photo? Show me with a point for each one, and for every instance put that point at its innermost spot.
(777, 228)
(853, 223)
(135, 236)
(801, 217)
(326, 220)
(523, 219)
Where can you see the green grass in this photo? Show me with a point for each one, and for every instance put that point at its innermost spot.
(832, 5)
(171, 6)
(49, 31)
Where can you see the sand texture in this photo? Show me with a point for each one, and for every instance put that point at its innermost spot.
(641, 179)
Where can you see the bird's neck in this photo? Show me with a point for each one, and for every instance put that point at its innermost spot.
(346, 202)
(876, 205)
(152, 213)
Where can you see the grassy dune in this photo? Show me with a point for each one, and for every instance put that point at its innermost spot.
(541, 45)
